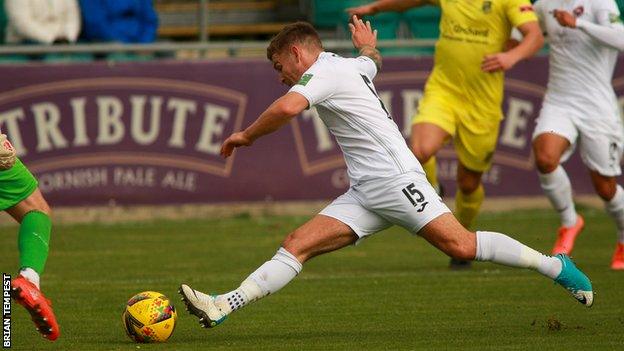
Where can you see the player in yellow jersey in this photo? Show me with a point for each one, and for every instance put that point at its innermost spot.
(464, 93)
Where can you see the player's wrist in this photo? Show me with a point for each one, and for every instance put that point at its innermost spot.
(366, 47)
(373, 9)
(515, 60)
(517, 57)
(248, 136)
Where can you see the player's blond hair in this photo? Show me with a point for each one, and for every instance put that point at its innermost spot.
(294, 33)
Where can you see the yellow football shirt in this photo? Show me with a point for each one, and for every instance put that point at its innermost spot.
(470, 30)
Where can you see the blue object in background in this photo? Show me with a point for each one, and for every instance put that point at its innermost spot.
(126, 21)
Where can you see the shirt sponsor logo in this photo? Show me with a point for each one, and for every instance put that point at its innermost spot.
(526, 8)
(305, 79)
(458, 28)
(615, 18)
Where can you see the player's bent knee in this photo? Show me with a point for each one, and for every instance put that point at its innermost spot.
(42, 206)
(545, 162)
(45, 208)
(468, 185)
(468, 180)
(605, 191)
(33, 203)
(36, 202)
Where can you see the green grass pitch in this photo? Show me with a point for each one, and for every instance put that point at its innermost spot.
(392, 292)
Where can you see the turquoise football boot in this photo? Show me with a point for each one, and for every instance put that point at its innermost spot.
(575, 281)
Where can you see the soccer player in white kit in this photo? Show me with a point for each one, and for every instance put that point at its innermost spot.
(580, 106)
(388, 185)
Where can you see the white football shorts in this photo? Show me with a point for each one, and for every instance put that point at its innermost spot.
(600, 139)
(407, 200)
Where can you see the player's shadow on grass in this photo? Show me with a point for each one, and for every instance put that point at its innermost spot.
(234, 339)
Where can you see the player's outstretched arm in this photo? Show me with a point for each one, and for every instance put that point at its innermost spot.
(385, 5)
(531, 42)
(365, 40)
(279, 113)
(608, 30)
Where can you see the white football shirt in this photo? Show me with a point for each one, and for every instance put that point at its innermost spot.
(343, 94)
(581, 68)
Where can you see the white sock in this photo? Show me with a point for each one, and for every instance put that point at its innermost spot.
(557, 187)
(267, 279)
(615, 208)
(31, 275)
(501, 249)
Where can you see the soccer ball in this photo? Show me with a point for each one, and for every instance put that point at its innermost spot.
(149, 317)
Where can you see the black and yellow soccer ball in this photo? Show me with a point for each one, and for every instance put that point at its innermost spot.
(149, 317)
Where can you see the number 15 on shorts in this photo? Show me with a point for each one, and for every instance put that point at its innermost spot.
(415, 197)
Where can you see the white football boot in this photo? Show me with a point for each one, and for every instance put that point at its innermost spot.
(203, 306)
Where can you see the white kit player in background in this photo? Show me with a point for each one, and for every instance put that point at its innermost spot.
(388, 185)
(580, 106)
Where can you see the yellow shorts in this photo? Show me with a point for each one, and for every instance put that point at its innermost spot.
(474, 129)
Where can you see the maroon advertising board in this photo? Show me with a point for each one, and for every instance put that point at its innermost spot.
(150, 132)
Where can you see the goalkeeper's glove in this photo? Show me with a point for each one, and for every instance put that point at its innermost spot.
(7, 153)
